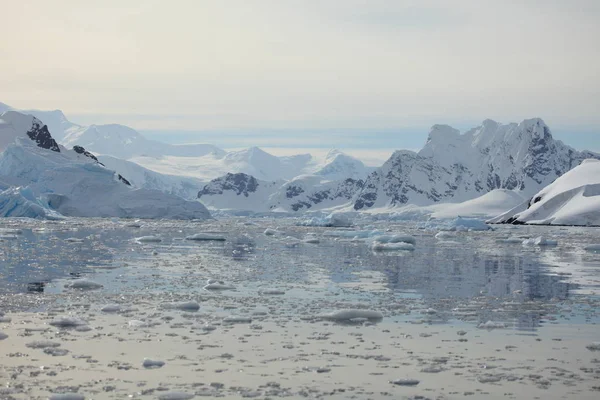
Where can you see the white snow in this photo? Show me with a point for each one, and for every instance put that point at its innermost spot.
(573, 199)
(486, 206)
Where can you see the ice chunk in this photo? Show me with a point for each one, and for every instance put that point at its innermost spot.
(148, 363)
(84, 284)
(346, 315)
(445, 235)
(213, 284)
(134, 323)
(74, 240)
(593, 347)
(175, 396)
(185, 306)
(67, 322)
(3, 336)
(206, 236)
(111, 308)
(592, 247)
(492, 325)
(395, 239)
(405, 382)
(376, 246)
(234, 319)
(272, 292)
(469, 224)
(67, 396)
(539, 241)
(149, 239)
(363, 234)
(270, 232)
(42, 344)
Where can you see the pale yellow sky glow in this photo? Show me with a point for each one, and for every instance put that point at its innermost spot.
(311, 63)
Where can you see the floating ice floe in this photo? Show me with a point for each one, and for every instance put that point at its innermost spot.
(593, 347)
(445, 235)
(184, 306)
(235, 319)
(347, 315)
(148, 363)
(175, 396)
(592, 247)
(84, 284)
(332, 220)
(492, 325)
(206, 236)
(270, 232)
(395, 239)
(271, 292)
(74, 240)
(42, 344)
(405, 382)
(213, 284)
(148, 239)
(135, 323)
(3, 336)
(66, 396)
(510, 240)
(134, 224)
(539, 241)
(376, 246)
(362, 234)
(67, 322)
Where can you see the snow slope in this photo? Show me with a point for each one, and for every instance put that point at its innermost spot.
(72, 183)
(140, 177)
(573, 199)
(488, 205)
(338, 166)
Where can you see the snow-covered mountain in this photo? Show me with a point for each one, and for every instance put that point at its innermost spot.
(339, 166)
(41, 178)
(454, 167)
(123, 142)
(244, 192)
(573, 199)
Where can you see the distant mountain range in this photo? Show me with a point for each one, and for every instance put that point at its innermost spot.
(451, 168)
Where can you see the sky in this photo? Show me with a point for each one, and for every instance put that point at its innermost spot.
(369, 75)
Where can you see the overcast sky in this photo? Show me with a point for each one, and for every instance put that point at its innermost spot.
(321, 66)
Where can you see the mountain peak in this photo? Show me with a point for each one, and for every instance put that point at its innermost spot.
(15, 125)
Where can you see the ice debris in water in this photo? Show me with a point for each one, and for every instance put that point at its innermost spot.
(270, 232)
(492, 325)
(347, 315)
(67, 322)
(405, 382)
(311, 239)
(445, 235)
(234, 319)
(184, 306)
(134, 224)
(272, 291)
(111, 308)
(134, 323)
(206, 236)
(332, 220)
(175, 396)
(592, 247)
(511, 239)
(148, 363)
(363, 234)
(459, 224)
(74, 240)
(395, 239)
(539, 241)
(149, 239)
(83, 284)
(67, 396)
(593, 347)
(213, 284)
(42, 344)
(3, 336)
(377, 246)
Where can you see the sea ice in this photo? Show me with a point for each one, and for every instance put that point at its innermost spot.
(67, 322)
(213, 284)
(234, 319)
(3, 336)
(42, 344)
(395, 239)
(376, 246)
(83, 284)
(405, 382)
(270, 232)
(175, 396)
(206, 236)
(272, 291)
(134, 323)
(492, 325)
(445, 235)
(539, 241)
(592, 247)
(593, 347)
(346, 315)
(67, 396)
(185, 306)
(111, 308)
(74, 240)
(149, 239)
(148, 363)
